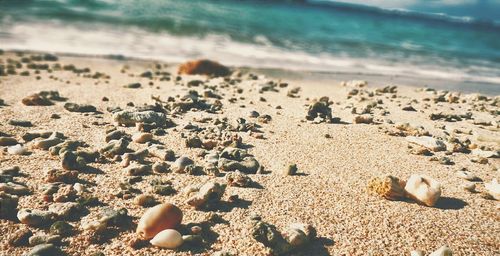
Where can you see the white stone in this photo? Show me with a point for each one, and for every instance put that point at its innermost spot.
(423, 189)
(443, 251)
(493, 189)
(168, 238)
(16, 150)
(466, 175)
(427, 142)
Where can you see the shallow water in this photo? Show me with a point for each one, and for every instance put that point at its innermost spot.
(297, 35)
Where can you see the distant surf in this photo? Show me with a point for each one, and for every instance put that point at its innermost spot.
(297, 35)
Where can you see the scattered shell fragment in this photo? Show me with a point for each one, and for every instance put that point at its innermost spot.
(387, 186)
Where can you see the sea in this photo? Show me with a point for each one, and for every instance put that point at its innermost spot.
(319, 36)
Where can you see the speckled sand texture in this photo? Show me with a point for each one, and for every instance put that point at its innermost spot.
(329, 191)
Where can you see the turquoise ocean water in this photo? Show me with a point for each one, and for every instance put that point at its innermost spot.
(301, 35)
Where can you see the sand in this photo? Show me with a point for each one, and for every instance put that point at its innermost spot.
(329, 193)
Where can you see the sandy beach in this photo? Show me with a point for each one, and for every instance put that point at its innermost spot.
(368, 136)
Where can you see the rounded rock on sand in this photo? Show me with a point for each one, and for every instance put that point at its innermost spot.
(423, 189)
(158, 218)
(142, 137)
(168, 238)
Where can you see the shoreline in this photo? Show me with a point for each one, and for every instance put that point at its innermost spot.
(491, 89)
(339, 147)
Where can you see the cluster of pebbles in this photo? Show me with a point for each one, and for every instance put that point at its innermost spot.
(73, 213)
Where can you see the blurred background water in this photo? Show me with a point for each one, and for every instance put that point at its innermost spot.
(297, 35)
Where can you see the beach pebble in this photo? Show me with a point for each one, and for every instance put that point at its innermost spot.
(29, 136)
(427, 142)
(61, 228)
(253, 114)
(45, 250)
(158, 218)
(471, 187)
(163, 189)
(130, 118)
(20, 237)
(168, 238)
(466, 175)
(16, 150)
(443, 251)
(161, 167)
(196, 230)
(23, 123)
(44, 239)
(7, 141)
(142, 137)
(36, 100)
(238, 179)
(145, 200)
(65, 210)
(270, 237)
(363, 119)
(132, 85)
(299, 234)
(485, 153)
(247, 165)
(162, 153)
(55, 175)
(8, 205)
(45, 144)
(417, 253)
(181, 163)
(136, 169)
(14, 188)
(291, 170)
(114, 148)
(423, 189)
(35, 218)
(320, 110)
(116, 135)
(81, 108)
(493, 189)
(208, 195)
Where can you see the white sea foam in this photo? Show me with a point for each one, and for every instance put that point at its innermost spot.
(134, 42)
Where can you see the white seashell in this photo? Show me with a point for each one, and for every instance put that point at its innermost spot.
(443, 251)
(471, 187)
(417, 253)
(466, 175)
(168, 238)
(16, 150)
(493, 189)
(423, 189)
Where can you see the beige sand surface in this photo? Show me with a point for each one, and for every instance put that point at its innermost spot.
(330, 194)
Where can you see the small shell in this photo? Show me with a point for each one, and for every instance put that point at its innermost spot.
(423, 189)
(493, 189)
(466, 175)
(168, 238)
(158, 218)
(443, 251)
(387, 186)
